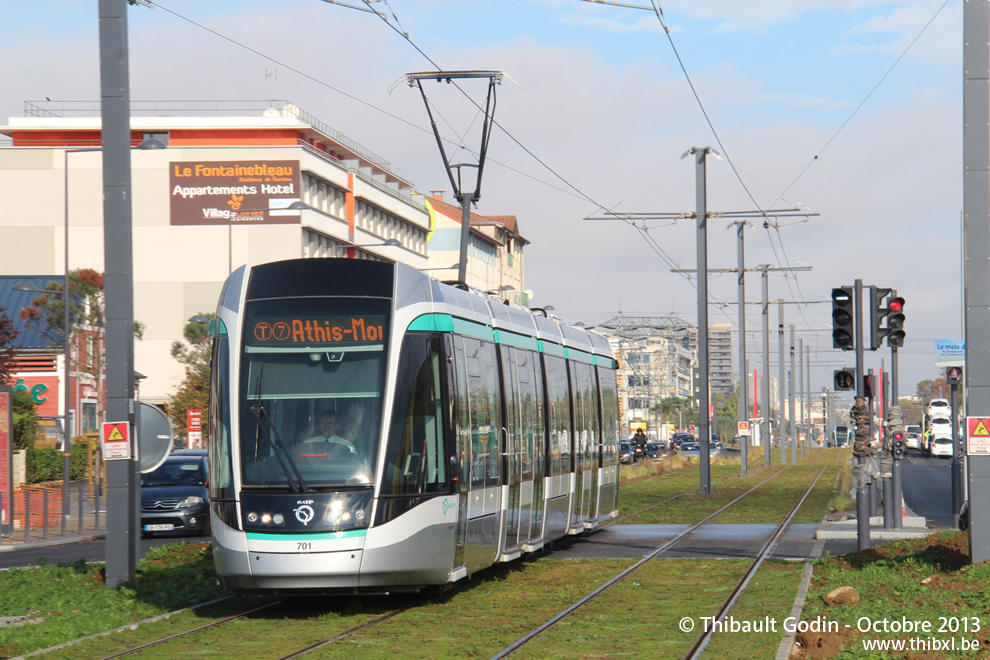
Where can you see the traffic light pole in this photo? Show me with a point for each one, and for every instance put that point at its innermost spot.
(863, 540)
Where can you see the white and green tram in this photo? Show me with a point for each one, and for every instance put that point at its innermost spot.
(464, 432)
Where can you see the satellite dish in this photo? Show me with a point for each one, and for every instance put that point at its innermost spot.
(154, 433)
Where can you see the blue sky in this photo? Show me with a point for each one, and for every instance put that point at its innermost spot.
(598, 96)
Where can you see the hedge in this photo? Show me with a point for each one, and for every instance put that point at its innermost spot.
(47, 464)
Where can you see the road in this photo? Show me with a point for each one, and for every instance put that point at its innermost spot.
(90, 550)
(927, 486)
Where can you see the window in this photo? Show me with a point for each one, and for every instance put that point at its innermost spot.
(638, 358)
(89, 420)
(416, 459)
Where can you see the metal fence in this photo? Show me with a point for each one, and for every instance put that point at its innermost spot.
(37, 514)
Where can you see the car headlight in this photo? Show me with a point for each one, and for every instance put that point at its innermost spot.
(192, 500)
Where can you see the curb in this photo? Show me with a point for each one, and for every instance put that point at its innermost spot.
(62, 540)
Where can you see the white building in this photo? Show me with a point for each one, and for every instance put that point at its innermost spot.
(215, 198)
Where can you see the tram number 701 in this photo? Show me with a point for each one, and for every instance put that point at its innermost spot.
(304, 545)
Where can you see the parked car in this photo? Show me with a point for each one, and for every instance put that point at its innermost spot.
(654, 449)
(942, 447)
(626, 453)
(175, 497)
(938, 408)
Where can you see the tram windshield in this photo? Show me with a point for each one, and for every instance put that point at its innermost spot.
(312, 377)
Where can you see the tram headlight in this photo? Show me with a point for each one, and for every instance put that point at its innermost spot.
(252, 517)
(278, 519)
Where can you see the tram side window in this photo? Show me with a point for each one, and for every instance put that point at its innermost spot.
(558, 414)
(415, 459)
(610, 412)
(221, 485)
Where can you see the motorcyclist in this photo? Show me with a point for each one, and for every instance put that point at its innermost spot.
(640, 441)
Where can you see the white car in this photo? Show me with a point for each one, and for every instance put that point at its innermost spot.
(942, 447)
(941, 428)
(912, 441)
(939, 408)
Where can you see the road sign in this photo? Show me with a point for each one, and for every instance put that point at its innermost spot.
(954, 374)
(978, 436)
(743, 428)
(116, 441)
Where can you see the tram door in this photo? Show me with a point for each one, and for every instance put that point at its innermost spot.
(513, 451)
(584, 451)
(478, 448)
(534, 450)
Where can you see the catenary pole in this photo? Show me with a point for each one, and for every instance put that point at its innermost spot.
(123, 494)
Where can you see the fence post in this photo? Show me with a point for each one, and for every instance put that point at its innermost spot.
(44, 515)
(27, 514)
(65, 507)
(96, 510)
(81, 494)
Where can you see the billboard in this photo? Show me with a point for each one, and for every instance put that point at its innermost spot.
(234, 192)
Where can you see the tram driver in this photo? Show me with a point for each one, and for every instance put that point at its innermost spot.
(327, 424)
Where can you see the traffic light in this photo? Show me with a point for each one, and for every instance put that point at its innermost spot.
(898, 445)
(895, 322)
(842, 318)
(878, 312)
(844, 380)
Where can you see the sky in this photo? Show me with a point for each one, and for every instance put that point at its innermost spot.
(847, 110)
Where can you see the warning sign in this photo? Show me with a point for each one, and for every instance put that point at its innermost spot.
(743, 428)
(116, 440)
(954, 375)
(978, 436)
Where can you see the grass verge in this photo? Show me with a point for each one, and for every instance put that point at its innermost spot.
(57, 604)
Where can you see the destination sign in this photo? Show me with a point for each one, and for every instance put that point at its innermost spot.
(317, 331)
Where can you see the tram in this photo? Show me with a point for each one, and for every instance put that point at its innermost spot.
(373, 429)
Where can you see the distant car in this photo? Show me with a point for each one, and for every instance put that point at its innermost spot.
(942, 447)
(175, 497)
(626, 453)
(912, 441)
(681, 437)
(654, 449)
(689, 449)
(939, 408)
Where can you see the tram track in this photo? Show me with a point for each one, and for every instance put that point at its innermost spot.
(734, 595)
(191, 631)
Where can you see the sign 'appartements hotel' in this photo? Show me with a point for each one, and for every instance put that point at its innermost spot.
(217, 193)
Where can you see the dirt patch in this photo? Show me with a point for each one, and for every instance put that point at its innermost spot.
(819, 645)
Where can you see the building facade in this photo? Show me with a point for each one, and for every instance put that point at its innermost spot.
(215, 197)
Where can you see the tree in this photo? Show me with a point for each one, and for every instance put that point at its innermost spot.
(25, 421)
(194, 390)
(8, 333)
(933, 389)
(87, 317)
(913, 411)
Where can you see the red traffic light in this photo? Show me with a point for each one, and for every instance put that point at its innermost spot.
(895, 304)
(898, 436)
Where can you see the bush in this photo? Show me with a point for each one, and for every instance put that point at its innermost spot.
(46, 464)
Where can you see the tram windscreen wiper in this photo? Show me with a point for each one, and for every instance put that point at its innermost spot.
(297, 484)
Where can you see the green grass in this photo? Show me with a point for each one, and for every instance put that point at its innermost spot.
(72, 601)
(917, 579)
